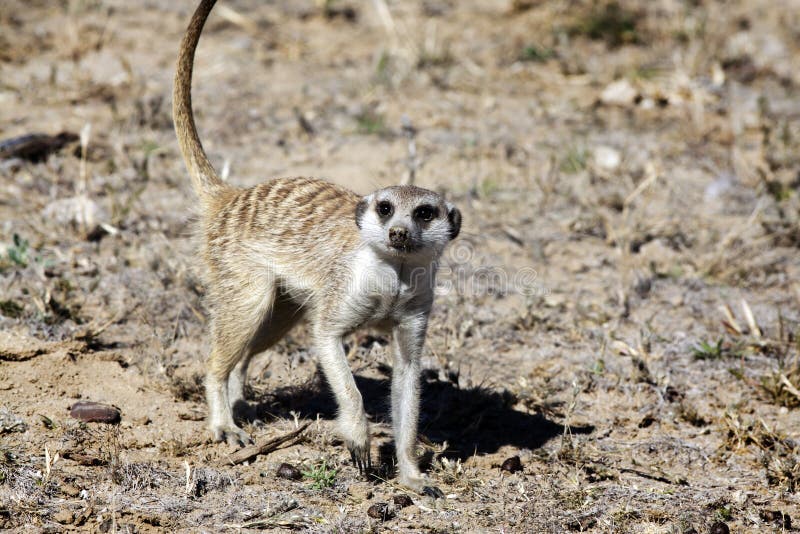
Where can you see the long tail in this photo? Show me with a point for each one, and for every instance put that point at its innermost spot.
(205, 179)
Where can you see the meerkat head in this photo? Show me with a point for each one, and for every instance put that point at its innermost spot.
(407, 221)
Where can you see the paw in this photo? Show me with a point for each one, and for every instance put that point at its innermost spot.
(355, 433)
(413, 479)
(234, 435)
(361, 456)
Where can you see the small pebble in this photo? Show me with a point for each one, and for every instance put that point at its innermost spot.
(512, 465)
(402, 500)
(776, 516)
(433, 491)
(380, 511)
(619, 93)
(63, 516)
(95, 412)
(289, 471)
(70, 490)
(607, 158)
(719, 528)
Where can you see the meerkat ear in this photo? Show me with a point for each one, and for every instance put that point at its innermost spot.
(361, 207)
(454, 216)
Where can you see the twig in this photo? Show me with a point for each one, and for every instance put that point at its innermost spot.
(249, 453)
(751, 322)
(652, 175)
(730, 323)
(82, 187)
(412, 163)
(237, 19)
(272, 518)
(657, 478)
(386, 19)
(789, 386)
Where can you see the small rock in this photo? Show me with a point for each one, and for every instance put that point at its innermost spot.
(722, 184)
(63, 516)
(690, 530)
(289, 471)
(619, 93)
(512, 465)
(672, 394)
(607, 158)
(380, 511)
(658, 255)
(776, 516)
(99, 232)
(70, 490)
(35, 147)
(401, 500)
(647, 421)
(433, 491)
(360, 492)
(82, 517)
(719, 528)
(582, 523)
(95, 412)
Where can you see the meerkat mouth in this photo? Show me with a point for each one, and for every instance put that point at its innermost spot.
(404, 248)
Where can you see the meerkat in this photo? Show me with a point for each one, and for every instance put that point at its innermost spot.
(294, 248)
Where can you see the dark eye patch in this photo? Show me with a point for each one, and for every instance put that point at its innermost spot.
(426, 213)
(384, 208)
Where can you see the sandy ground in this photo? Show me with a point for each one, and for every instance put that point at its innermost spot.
(626, 171)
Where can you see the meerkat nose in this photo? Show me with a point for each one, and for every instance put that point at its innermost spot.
(398, 235)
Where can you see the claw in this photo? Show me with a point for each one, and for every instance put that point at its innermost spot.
(361, 459)
(235, 436)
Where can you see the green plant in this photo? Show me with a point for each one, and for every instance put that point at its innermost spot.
(383, 67)
(707, 351)
(371, 123)
(18, 252)
(11, 309)
(779, 190)
(537, 54)
(609, 22)
(321, 475)
(488, 187)
(575, 160)
(723, 513)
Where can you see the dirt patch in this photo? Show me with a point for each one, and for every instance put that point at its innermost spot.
(621, 312)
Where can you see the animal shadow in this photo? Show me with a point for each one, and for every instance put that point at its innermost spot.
(472, 420)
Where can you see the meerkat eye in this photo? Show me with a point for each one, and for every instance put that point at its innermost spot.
(385, 208)
(425, 213)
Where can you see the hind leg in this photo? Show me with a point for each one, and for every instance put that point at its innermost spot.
(236, 382)
(283, 315)
(236, 318)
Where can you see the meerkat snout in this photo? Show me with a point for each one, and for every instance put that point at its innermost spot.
(398, 237)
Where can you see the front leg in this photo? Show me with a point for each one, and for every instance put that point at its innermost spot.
(352, 420)
(409, 338)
